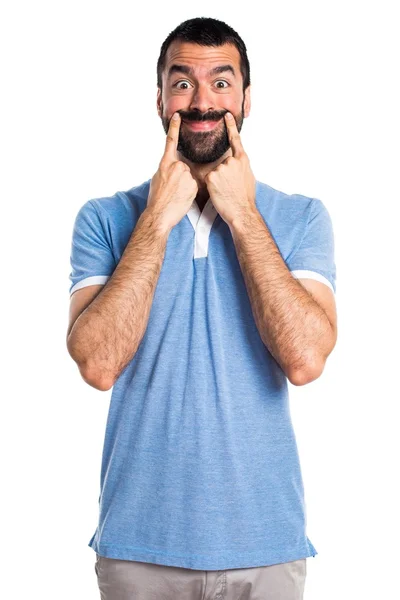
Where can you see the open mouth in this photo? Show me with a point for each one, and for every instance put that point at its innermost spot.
(201, 125)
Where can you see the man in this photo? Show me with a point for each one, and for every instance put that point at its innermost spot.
(197, 294)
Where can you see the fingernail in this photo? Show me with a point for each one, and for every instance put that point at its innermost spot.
(175, 116)
(228, 115)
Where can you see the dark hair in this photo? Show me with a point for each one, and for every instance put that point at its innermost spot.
(206, 32)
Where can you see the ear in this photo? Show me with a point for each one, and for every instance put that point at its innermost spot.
(159, 102)
(247, 101)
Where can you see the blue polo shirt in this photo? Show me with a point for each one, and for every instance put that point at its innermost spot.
(200, 467)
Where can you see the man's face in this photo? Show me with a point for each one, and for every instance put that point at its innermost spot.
(202, 98)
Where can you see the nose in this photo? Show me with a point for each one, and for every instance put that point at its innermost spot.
(202, 100)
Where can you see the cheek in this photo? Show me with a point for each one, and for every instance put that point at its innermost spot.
(233, 105)
(172, 105)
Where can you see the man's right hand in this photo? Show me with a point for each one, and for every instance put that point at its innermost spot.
(172, 188)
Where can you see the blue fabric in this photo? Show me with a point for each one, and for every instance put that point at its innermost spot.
(200, 467)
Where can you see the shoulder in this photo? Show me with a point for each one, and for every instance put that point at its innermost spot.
(286, 215)
(122, 204)
(277, 204)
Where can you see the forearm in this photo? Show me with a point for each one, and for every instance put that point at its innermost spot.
(291, 324)
(106, 335)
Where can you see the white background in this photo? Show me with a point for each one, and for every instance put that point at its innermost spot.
(79, 121)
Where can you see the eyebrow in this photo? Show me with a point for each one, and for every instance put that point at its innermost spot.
(189, 70)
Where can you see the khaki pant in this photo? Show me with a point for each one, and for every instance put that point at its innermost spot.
(133, 580)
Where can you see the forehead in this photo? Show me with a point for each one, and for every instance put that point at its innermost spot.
(202, 58)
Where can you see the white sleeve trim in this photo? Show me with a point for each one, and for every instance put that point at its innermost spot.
(312, 275)
(94, 280)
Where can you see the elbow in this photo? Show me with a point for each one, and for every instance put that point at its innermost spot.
(89, 373)
(94, 380)
(94, 377)
(306, 375)
(313, 367)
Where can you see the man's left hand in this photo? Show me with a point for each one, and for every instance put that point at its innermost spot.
(232, 185)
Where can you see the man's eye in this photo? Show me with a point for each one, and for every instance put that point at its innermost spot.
(223, 80)
(177, 84)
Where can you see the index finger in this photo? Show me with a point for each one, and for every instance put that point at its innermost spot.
(171, 142)
(233, 135)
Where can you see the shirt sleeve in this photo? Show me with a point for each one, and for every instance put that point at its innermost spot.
(315, 256)
(92, 260)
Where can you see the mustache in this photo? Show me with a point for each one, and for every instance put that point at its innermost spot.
(208, 116)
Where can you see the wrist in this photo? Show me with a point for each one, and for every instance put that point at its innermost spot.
(156, 220)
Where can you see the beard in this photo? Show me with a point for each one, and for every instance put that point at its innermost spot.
(202, 147)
